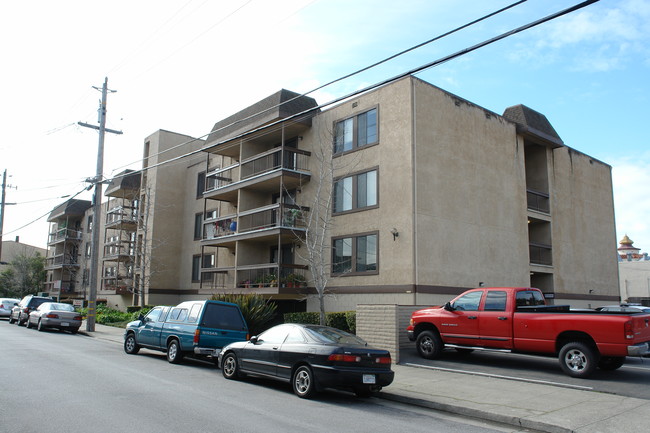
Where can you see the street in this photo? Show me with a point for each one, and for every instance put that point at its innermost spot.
(58, 382)
(631, 380)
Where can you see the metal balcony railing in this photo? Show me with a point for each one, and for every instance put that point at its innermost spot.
(62, 260)
(538, 201)
(121, 214)
(540, 254)
(267, 217)
(272, 275)
(65, 234)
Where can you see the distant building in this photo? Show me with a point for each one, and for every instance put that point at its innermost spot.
(633, 273)
(431, 195)
(11, 249)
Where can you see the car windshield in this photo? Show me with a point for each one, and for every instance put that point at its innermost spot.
(324, 334)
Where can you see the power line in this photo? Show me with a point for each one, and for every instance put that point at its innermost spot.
(374, 86)
(412, 48)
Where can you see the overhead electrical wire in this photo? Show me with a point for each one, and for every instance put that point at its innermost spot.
(344, 77)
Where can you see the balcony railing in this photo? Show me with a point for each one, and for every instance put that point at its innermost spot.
(272, 275)
(267, 162)
(62, 260)
(268, 217)
(60, 286)
(65, 234)
(538, 201)
(121, 215)
(540, 254)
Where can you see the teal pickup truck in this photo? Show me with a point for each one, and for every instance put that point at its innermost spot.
(197, 328)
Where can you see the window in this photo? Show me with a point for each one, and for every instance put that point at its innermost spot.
(198, 226)
(468, 302)
(355, 192)
(153, 315)
(222, 316)
(90, 223)
(495, 301)
(208, 261)
(200, 185)
(196, 269)
(194, 313)
(355, 255)
(355, 132)
(178, 314)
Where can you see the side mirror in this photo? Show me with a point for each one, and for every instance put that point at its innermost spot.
(253, 339)
(448, 307)
(141, 317)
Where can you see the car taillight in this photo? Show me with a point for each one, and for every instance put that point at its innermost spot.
(343, 358)
(26, 310)
(383, 360)
(77, 318)
(52, 316)
(197, 334)
(627, 329)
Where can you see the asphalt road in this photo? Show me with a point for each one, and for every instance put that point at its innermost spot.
(631, 380)
(57, 382)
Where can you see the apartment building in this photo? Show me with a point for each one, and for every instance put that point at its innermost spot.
(413, 194)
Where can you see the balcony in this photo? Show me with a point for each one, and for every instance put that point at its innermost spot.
(540, 254)
(61, 261)
(63, 235)
(256, 223)
(60, 286)
(119, 251)
(538, 201)
(270, 278)
(263, 172)
(122, 217)
(120, 285)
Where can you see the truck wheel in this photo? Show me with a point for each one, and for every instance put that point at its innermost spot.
(130, 345)
(578, 359)
(429, 344)
(174, 354)
(610, 363)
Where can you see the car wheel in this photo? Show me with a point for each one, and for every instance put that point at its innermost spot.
(303, 382)
(11, 320)
(230, 366)
(429, 344)
(28, 324)
(40, 326)
(578, 359)
(130, 345)
(174, 354)
(610, 363)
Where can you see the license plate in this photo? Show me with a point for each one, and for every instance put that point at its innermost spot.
(369, 378)
(65, 324)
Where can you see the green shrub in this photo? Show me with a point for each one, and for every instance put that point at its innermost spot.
(345, 320)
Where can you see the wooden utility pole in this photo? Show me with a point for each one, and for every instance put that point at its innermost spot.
(2, 207)
(97, 207)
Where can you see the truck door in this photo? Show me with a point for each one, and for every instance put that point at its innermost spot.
(149, 333)
(495, 320)
(460, 326)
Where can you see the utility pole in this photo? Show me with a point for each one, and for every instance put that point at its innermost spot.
(97, 207)
(2, 208)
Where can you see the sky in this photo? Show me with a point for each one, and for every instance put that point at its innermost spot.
(183, 65)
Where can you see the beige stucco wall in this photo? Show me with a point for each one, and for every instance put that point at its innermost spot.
(471, 194)
(584, 237)
(634, 279)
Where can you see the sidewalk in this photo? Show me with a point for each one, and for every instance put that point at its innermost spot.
(540, 407)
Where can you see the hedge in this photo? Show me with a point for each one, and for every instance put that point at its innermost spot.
(344, 320)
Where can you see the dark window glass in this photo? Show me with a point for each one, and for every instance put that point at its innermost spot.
(219, 316)
(196, 268)
(198, 226)
(357, 131)
(355, 192)
(495, 301)
(468, 302)
(356, 254)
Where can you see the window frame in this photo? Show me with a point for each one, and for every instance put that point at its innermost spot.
(354, 262)
(198, 226)
(355, 192)
(196, 268)
(355, 132)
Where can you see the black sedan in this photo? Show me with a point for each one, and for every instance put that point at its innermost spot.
(311, 358)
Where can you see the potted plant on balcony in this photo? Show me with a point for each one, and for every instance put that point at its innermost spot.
(299, 280)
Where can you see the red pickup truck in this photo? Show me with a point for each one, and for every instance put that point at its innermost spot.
(517, 319)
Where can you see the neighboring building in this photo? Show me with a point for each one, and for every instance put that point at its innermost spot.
(11, 249)
(633, 273)
(431, 195)
(66, 265)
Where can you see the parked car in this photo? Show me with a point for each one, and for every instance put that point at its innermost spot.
(625, 308)
(29, 303)
(311, 358)
(55, 315)
(198, 328)
(6, 304)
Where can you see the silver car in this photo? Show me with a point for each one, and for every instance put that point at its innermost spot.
(55, 315)
(6, 304)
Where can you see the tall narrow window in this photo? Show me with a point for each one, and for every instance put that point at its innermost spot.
(196, 269)
(198, 226)
(355, 132)
(200, 184)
